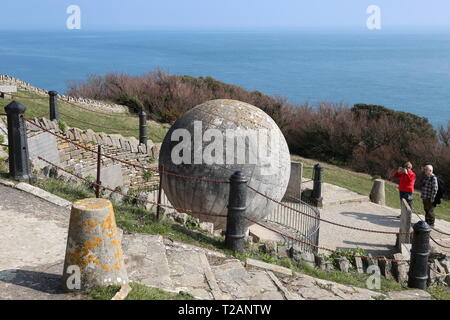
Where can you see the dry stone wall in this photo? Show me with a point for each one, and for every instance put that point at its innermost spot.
(84, 163)
(87, 103)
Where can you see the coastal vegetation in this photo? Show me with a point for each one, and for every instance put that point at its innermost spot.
(367, 138)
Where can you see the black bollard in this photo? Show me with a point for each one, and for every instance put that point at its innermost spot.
(19, 164)
(420, 250)
(317, 186)
(143, 127)
(235, 234)
(53, 102)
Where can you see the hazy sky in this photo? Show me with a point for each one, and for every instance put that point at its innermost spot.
(144, 14)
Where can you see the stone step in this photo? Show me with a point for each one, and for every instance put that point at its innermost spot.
(187, 271)
(146, 261)
(237, 283)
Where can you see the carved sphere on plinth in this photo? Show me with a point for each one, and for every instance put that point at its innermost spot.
(212, 141)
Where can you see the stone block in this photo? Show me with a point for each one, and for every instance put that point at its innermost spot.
(295, 253)
(400, 269)
(377, 195)
(270, 247)
(386, 268)
(308, 258)
(320, 262)
(344, 264)
(207, 226)
(267, 266)
(359, 266)
(282, 251)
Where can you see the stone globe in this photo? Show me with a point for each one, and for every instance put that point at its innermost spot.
(212, 141)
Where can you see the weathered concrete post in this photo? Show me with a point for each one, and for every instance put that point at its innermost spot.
(235, 234)
(142, 127)
(53, 102)
(93, 254)
(19, 164)
(420, 250)
(317, 186)
(405, 225)
(377, 194)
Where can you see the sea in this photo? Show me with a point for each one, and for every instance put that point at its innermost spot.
(406, 70)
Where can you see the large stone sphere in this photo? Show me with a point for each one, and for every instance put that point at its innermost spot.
(212, 141)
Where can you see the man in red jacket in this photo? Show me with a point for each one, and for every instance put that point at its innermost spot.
(407, 180)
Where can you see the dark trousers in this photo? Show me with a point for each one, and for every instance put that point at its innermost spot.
(408, 196)
(429, 211)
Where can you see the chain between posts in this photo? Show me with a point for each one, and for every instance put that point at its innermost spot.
(216, 215)
(125, 195)
(123, 161)
(325, 220)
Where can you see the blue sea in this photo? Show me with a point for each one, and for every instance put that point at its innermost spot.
(404, 70)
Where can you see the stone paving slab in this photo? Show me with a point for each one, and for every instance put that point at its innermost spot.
(334, 195)
(310, 288)
(146, 261)
(238, 283)
(187, 273)
(365, 215)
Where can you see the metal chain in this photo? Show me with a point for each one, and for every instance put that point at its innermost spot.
(325, 220)
(125, 195)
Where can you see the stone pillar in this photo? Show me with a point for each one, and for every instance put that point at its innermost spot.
(19, 158)
(235, 235)
(93, 254)
(53, 104)
(142, 127)
(377, 195)
(405, 225)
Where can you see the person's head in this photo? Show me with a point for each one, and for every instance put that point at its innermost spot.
(428, 169)
(407, 165)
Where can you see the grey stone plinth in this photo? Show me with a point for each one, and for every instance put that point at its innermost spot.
(94, 252)
(377, 195)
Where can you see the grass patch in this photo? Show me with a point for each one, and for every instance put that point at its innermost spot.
(361, 184)
(131, 218)
(76, 116)
(138, 292)
(439, 292)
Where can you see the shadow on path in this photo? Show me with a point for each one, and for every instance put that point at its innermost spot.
(378, 219)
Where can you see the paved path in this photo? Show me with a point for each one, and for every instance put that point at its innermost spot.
(33, 235)
(33, 238)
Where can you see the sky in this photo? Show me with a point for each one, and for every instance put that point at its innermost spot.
(220, 14)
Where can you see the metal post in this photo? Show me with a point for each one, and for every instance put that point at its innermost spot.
(158, 207)
(98, 183)
(420, 250)
(317, 187)
(53, 105)
(235, 234)
(19, 164)
(143, 127)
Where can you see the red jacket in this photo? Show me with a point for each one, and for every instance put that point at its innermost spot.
(407, 180)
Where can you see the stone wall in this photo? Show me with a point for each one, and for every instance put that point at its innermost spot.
(84, 162)
(86, 103)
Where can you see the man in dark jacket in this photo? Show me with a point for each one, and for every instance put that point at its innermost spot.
(429, 191)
